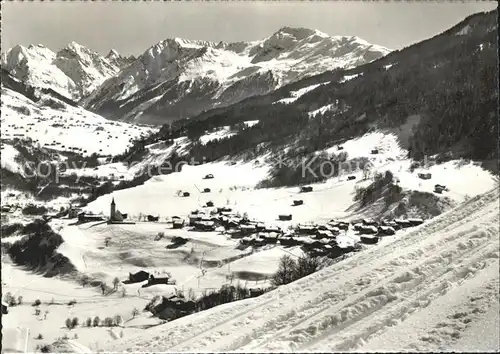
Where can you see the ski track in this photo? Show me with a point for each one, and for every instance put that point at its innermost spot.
(357, 298)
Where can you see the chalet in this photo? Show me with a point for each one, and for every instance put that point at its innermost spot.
(209, 176)
(285, 217)
(247, 240)
(186, 194)
(358, 226)
(288, 241)
(209, 204)
(152, 218)
(154, 281)
(177, 223)
(271, 238)
(415, 221)
(368, 230)
(306, 189)
(275, 229)
(298, 202)
(307, 229)
(424, 175)
(369, 240)
(260, 226)
(374, 151)
(386, 230)
(440, 189)
(334, 251)
(324, 234)
(224, 210)
(333, 229)
(392, 224)
(173, 307)
(206, 190)
(256, 292)
(259, 242)
(318, 252)
(193, 219)
(403, 223)
(343, 226)
(138, 277)
(86, 217)
(205, 225)
(350, 178)
(311, 244)
(369, 222)
(247, 229)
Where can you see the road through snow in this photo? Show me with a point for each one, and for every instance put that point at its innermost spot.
(434, 282)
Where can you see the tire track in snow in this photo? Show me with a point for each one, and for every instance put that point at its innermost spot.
(439, 286)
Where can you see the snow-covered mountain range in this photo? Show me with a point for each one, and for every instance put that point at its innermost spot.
(179, 78)
(74, 71)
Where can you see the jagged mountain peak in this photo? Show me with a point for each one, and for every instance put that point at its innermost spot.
(113, 54)
(299, 33)
(73, 72)
(168, 75)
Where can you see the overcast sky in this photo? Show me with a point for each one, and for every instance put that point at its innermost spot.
(132, 27)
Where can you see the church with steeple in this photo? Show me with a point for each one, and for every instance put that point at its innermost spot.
(114, 215)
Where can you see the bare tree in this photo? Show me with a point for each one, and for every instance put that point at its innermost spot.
(135, 312)
(116, 282)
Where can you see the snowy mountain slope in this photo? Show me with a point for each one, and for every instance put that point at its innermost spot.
(73, 72)
(61, 127)
(352, 304)
(178, 78)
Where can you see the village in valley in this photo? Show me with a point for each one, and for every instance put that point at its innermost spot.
(302, 192)
(190, 240)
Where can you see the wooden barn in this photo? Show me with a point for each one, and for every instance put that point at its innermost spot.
(403, 223)
(154, 281)
(173, 307)
(306, 229)
(424, 176)
(138, 277)
(368, 230)
(306, 189)
(386, 230)
(369, 240)
(285, 217)
(415, 221)
(177, 223)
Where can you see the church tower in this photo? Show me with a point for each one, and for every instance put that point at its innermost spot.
(112, 213)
